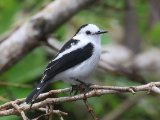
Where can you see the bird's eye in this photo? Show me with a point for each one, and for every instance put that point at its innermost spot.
(88, 32)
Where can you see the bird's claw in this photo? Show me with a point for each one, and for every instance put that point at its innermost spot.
(74, 89)
(82, 87)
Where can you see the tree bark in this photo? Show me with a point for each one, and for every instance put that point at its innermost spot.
(132, 39)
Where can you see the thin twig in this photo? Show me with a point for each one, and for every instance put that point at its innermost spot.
(52, 43)
(90, 110)
(54, 111)
(147, 87)
(20, 111)
(47, 111)
(61, 117)
(50, 111)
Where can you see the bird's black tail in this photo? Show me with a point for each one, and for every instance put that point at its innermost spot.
(34, 94)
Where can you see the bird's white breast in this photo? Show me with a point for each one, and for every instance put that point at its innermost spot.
(82, 70)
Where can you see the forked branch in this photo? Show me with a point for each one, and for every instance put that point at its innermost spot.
(45, 98)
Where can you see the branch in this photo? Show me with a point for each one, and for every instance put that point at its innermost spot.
(20, 111)
(152, 86)
(28, 36)
(44, 99)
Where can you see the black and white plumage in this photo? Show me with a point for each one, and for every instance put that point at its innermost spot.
(75, 61)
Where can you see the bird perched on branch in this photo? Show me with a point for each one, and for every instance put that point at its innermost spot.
(74, 62)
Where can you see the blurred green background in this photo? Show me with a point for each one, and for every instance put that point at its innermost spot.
(137, 21)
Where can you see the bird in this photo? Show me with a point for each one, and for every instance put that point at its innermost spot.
(74, 62)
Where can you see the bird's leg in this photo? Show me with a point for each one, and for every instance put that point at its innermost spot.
(32, 102)
(84, 87)
(30, 107)
(74, 88)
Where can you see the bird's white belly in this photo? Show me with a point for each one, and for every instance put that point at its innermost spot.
(81, 72)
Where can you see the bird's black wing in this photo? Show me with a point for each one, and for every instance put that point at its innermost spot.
(68, 60)
(66, 46)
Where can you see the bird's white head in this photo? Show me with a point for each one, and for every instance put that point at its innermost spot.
(89, 31)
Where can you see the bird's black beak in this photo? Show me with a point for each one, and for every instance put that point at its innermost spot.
(100, 32)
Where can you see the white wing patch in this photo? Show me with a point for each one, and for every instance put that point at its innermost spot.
(73, 47)
(38, 88)
(43, 78)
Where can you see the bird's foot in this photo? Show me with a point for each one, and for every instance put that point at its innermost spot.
(74, 89)
(84, 87)
(81, 88)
